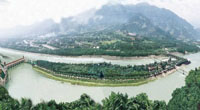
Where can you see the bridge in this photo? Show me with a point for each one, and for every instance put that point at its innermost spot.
(6, 66)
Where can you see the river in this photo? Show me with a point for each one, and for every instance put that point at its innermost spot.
(27, 83)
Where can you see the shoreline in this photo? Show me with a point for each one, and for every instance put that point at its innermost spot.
(90, 82)
(102, 83)
(168, 73)
(107, 57)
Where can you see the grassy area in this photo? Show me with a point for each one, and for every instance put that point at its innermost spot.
(93, 82)
(109, 42)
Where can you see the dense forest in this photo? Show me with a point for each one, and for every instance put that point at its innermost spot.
(113, 43)
(185, 98)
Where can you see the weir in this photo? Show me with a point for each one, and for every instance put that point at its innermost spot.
(4, 67)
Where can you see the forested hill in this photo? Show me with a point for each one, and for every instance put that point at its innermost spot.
(185, 98)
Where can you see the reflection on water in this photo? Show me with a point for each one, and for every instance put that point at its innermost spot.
(25, 82)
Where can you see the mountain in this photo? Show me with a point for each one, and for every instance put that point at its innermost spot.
(165, 19)
(115, 15)
(142, 19)
(141, 25)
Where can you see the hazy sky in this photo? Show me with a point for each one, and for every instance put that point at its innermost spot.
(24, 12)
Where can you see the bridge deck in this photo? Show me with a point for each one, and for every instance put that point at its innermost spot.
(4, 67)
(14, 62)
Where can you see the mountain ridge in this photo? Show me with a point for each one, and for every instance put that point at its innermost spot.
(111, 15)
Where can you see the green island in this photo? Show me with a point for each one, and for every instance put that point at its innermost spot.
(107, 74)
(184, 98)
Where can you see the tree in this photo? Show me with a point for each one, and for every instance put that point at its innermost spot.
(101, 75)
(3, 94)
(115, 102)
(159, 105)
(26, 104)
(170, 59)
(0, 106)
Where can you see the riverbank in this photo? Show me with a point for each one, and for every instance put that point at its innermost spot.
(103, 82)
(92, 82)
(107, 57)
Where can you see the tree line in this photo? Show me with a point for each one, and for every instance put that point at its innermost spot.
(110, 71)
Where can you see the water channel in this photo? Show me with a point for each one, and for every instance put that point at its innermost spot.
(27, 83)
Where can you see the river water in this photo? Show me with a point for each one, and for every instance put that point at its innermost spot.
(24, 82)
